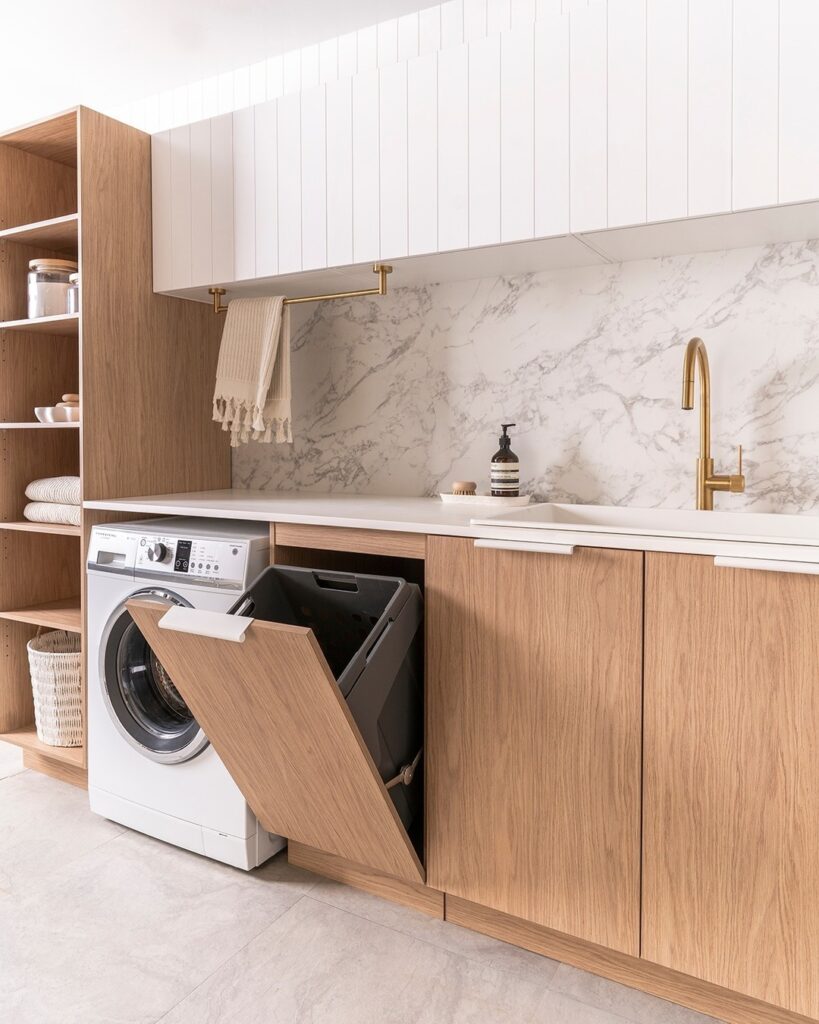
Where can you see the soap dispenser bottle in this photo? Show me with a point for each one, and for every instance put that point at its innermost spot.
(504, 474)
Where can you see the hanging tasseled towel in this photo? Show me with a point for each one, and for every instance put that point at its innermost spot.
(252, 395)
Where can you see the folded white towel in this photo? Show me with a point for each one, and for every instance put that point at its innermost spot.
(52, 512)
(252, 394)
(65, 490)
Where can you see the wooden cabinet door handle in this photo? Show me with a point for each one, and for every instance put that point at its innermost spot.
(766, 565)
(524, 545)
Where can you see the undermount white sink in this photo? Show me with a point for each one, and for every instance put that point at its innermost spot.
(752, 527)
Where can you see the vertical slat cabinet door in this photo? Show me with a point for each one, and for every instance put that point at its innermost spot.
(244, 195)
(533, 735)
(267, 191)
(366, 202)
(517, 145)
(289, 179)
(422, 154)
(181, 206)
(161, 203)
(667, 109)
(453, 148)
(201, 226)
(755, 159)
(798, 90)
(710, 81)
(484, 141)
(552, 125)
(339, 173)
(731, 791)
(393, 160)
(221, 161)
(314, 179)
(588, 125)
(626, 112)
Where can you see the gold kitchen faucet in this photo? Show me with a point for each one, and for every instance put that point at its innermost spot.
(707, 481)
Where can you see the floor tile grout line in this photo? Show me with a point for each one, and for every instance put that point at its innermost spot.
(232, 956)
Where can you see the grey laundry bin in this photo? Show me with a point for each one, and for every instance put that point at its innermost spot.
(370, 631)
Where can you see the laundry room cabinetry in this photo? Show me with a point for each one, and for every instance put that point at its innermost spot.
(636, 129)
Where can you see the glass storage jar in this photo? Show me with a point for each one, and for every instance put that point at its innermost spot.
(73, 295)
(48, 284)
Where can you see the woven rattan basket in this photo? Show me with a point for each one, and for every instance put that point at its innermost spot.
(55, 663)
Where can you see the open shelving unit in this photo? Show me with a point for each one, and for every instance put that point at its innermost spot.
(78, 186)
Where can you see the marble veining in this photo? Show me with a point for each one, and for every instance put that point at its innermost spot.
(401, 395)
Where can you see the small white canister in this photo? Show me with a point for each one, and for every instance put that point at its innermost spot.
(48, 284)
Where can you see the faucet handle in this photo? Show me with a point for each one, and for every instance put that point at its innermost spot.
(736, 482)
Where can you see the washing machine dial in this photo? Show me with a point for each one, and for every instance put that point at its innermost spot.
(157, 552)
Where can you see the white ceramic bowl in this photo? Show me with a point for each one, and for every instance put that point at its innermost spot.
(41, 412)
(72, 413)
(54, 414)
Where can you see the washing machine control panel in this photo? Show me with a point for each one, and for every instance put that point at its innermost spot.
(201, 560)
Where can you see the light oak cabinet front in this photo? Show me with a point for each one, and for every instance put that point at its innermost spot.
(533, 735)
(731, 802)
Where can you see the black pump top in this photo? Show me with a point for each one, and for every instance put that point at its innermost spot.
(505, 440)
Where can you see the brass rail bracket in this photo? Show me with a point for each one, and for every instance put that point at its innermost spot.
(382, 269)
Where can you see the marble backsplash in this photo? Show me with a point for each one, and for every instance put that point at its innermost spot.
(401, 395)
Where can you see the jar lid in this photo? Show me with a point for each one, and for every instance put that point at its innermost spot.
(51, 264)
(73, 278)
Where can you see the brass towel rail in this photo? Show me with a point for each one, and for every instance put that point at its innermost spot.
(382, 269)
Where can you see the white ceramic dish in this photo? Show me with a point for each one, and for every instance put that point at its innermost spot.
(486, 499)
(55, 414)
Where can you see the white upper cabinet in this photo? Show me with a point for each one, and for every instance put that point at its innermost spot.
(482, 122)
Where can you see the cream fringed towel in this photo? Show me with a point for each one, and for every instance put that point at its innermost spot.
(252, 396)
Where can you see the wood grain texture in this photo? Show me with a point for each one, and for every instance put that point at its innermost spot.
(56, 769)
(59, 234)
(287, 737)
(731, 857)
(14, 260)
(64, 613)
(727, 1006)
(33, 188)
(34, 370)
(408, 894)
(52, 138)
(339, 538)
(26, 738)
(16, 702)
(29, 455)
(148, 361)
(533, 735)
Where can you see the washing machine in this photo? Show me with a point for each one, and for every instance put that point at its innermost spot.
(150, 766)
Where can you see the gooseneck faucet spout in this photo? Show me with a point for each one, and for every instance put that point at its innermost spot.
(696, 358)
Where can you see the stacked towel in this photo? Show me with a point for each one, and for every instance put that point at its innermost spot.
(54, 499)
(252, 394)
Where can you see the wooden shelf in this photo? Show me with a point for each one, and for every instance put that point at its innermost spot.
(63, 614)
(56, 528)
(27, 739)
(59, 234)
(66, 325)
(34, 425)
(53, 138)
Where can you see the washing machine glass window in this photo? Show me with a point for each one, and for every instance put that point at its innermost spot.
(145, 705)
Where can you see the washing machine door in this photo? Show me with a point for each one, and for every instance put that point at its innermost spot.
(140, 696)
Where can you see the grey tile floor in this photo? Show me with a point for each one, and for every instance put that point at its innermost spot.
(100, 925)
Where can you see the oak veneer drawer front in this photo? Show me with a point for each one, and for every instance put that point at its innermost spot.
(731, 827)
(533, 735)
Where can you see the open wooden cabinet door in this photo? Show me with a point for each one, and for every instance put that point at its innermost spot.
(273, 712)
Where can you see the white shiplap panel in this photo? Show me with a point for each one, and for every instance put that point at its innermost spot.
(498, 16)
(328, 61)
(626, 112)
(309, 67)
(588, 117)
(288, 163)
(366, 234)
(347, 55)
(393, 160)
(523, 12)
(367, 48)
(275, 78)
(339, 172)
(798, 110)
(429, 30)
(224, 84)
(241, 87)
(518, 134)
(161, 214)
(210, 96)
(755, 160)
(166, 110)
(422, 153)
(552, 126)
(709, 106)
(201, 227)
(484, 141)
(258, 82)
(408, 36)
(267, 192)
(474, 19)
(667, 110)
(452, 23)
(453, 148)
(180, 101)
(221, 163)
(244, 195)
(313, 179)
(291, 72)
(181, 206)
(387, 42)
(195, 104)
